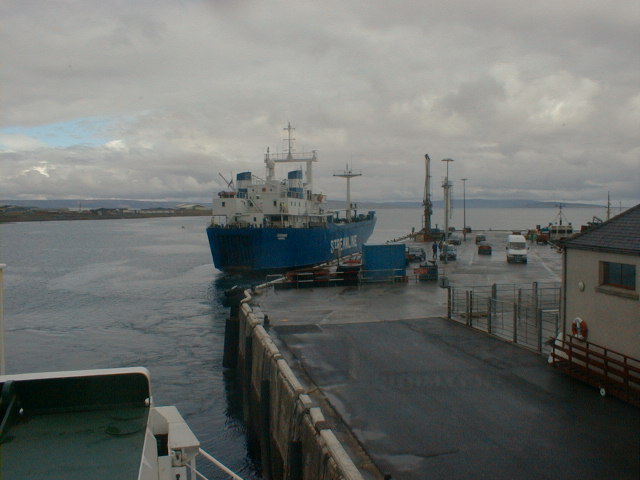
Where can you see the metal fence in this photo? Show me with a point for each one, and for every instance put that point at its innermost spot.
(524, 314)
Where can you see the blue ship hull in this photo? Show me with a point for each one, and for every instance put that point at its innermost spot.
(256, 249)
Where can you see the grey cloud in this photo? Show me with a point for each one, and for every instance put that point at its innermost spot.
(535, 100)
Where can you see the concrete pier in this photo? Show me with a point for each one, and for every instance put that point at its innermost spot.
(374, 382)
(294, 439)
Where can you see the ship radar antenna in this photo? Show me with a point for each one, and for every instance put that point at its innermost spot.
(290, 139)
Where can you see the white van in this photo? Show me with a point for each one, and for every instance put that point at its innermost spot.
(516, 249)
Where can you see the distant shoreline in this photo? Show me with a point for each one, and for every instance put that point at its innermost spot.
(52, 216)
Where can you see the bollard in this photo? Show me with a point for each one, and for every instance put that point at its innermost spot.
(233, 297)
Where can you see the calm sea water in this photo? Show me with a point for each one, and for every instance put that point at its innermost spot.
(117, 293)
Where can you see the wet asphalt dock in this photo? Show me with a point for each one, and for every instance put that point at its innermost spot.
(417, 396)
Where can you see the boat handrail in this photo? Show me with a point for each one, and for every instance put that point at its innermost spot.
(217, 463)
(293, 156)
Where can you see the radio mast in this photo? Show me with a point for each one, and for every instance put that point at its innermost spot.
(348, 174)
(426, 201)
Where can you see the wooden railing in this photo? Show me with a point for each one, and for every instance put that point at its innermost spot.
(612, 372)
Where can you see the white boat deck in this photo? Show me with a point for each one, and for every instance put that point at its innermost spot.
(73, 427)
(105, 444)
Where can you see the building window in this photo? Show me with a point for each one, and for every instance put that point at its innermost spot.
(619, 275)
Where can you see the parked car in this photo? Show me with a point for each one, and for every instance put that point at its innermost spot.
(449, 252)
(416, 254)
(484, 248)
(454, 240)
(480, 238)
(517, 249)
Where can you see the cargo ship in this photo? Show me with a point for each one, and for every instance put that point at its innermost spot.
(273, 224)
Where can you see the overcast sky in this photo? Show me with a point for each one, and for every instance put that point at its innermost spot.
(152, 99)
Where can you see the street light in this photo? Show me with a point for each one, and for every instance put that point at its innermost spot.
(464, 208)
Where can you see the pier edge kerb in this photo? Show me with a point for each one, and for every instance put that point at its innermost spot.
(318, 420)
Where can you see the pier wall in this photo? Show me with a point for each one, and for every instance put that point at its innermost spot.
(294, 439)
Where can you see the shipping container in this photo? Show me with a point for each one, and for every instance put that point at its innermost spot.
(384, 263)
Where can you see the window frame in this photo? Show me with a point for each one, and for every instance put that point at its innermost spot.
(609, 278)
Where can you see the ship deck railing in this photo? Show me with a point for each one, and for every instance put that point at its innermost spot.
(195, 473)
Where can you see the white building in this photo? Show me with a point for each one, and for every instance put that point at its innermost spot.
(601, 283)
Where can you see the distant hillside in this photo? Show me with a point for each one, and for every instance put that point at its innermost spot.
(334, 204)
(483, 203)
(93, 204)
(517, 203)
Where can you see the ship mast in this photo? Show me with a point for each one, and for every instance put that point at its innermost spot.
(348, 174)
(290, 157)
(290, 140)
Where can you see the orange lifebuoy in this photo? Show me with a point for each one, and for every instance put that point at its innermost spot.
(579, 328)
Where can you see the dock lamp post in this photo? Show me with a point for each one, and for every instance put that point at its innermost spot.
(464, 208)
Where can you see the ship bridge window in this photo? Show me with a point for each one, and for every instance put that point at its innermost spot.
(275, 203)
(223, 204)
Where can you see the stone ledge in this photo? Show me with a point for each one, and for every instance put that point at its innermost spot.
(617, 292)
